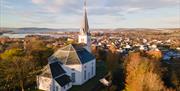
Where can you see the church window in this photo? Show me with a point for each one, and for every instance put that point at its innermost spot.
(85, 75)
(57, 88)
(73, 77)
(92, 70)
(89, 75)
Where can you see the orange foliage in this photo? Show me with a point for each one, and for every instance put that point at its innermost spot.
(154, 54)
(143, 75)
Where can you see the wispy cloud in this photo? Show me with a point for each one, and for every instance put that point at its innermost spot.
(51, 6)
(38, 1)
(103, 6)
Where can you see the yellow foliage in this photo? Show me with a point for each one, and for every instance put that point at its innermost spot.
(8, 54)
(142, 75)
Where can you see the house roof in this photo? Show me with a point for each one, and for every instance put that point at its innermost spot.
(63, 80)
(56, 69)
(72, 54)
(85, 56)
(53, 70)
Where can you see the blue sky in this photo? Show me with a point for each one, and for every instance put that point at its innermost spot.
(101, 13)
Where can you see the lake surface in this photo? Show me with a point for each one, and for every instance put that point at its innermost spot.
(25, 31)
(15, 35)
(26, 34)
(22, 33)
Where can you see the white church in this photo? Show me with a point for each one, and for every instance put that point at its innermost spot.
(70, 65)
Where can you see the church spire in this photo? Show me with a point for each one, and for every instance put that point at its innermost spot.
(85, 36)
(84, 30)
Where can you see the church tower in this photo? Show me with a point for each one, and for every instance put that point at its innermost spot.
(85, 36)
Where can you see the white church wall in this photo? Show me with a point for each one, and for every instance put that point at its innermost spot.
(56, 87)
(88, 69)
(94, 65)
(77, 69)
(83, 39)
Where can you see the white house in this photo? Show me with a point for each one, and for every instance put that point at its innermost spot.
(141, 47)
(70, 65)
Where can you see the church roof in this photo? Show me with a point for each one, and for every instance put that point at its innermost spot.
(63, 80)
(54, 70)
(72, 54)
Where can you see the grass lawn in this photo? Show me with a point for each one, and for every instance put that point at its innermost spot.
(101, 70)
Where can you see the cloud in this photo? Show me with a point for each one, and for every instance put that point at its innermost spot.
(103, 6)
(52, 6)
(133, 9)
(159, 22)
(38, 1)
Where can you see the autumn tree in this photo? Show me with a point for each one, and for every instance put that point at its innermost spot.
(172, 76)
(143, 74)
(16, 69)
(115, 69)
(154, 54)
(101, 54)
(38, 50)
(112, 59)
(15, 45)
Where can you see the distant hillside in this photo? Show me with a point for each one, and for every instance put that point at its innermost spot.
(42, 30)
(4, 30)
(147, 29)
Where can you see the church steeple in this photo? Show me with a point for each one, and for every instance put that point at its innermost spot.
(84, 30)
(85, 36)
